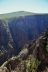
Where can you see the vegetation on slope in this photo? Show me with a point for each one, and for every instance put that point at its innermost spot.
(36, 61)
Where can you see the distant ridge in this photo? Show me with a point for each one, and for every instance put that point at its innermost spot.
(18, 14)
(15, 14)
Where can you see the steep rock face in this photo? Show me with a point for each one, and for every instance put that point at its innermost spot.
(34, 61)
(26, 28)
(6, 42)
(3, 34)
(15, 32)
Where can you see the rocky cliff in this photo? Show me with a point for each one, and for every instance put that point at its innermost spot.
(16, 31)
(32, 58)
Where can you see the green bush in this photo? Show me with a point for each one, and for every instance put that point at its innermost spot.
(31, 64)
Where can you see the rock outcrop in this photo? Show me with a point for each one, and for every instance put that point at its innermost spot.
(36, 61)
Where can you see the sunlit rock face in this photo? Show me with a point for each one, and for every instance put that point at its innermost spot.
(26, 60)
